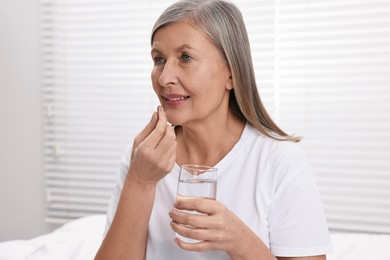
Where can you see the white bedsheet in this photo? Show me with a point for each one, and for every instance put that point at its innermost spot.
(76, 240)
(80, 239)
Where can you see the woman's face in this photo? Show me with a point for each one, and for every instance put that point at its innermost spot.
(190, 78)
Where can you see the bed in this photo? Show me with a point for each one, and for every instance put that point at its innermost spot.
(80, 239)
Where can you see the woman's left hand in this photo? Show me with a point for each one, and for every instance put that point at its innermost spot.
(216, 227)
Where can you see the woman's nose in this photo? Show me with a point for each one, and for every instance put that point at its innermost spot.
(168, 75)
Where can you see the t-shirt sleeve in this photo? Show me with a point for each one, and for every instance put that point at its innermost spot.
(121, 176)
(297, 224)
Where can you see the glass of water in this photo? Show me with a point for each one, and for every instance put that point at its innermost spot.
(196, 181)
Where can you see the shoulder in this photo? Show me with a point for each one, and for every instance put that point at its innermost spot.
(273, 151)
(278, 162)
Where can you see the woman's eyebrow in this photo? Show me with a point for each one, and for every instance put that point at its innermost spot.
(154, 50)
(184, 47)
(177, 49)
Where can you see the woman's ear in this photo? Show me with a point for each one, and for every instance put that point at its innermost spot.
(229, 83)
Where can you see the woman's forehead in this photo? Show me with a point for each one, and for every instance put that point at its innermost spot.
(182, 35)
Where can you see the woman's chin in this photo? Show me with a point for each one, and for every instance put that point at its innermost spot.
(173, 120)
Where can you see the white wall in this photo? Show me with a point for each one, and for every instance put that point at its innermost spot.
(21, 178)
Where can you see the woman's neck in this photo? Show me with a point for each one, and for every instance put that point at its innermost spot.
(207, 143)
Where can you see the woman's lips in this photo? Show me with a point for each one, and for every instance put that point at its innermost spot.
(175, 99)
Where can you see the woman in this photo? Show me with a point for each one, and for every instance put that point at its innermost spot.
(267, 204)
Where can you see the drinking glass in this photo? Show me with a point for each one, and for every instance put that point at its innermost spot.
(196, 181)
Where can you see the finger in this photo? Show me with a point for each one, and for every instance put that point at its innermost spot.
(190, 232)
(168, 141)
(158, 132)
(146, 131)
(192, 219)
(202, 205)
(195, 247)
(166, 151)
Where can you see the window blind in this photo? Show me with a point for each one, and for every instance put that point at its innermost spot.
(323, 71)
(331, 84)
(347, 109)
(97, 96)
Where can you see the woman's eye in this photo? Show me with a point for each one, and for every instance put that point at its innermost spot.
(158, 60)
(186, 58)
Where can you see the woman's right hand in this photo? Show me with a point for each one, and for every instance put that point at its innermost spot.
(154, 150)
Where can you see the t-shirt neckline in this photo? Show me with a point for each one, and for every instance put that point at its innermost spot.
(229, 157)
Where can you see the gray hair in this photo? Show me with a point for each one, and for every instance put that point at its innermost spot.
(224, 25)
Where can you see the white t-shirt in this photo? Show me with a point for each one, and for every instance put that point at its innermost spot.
(268, 184)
